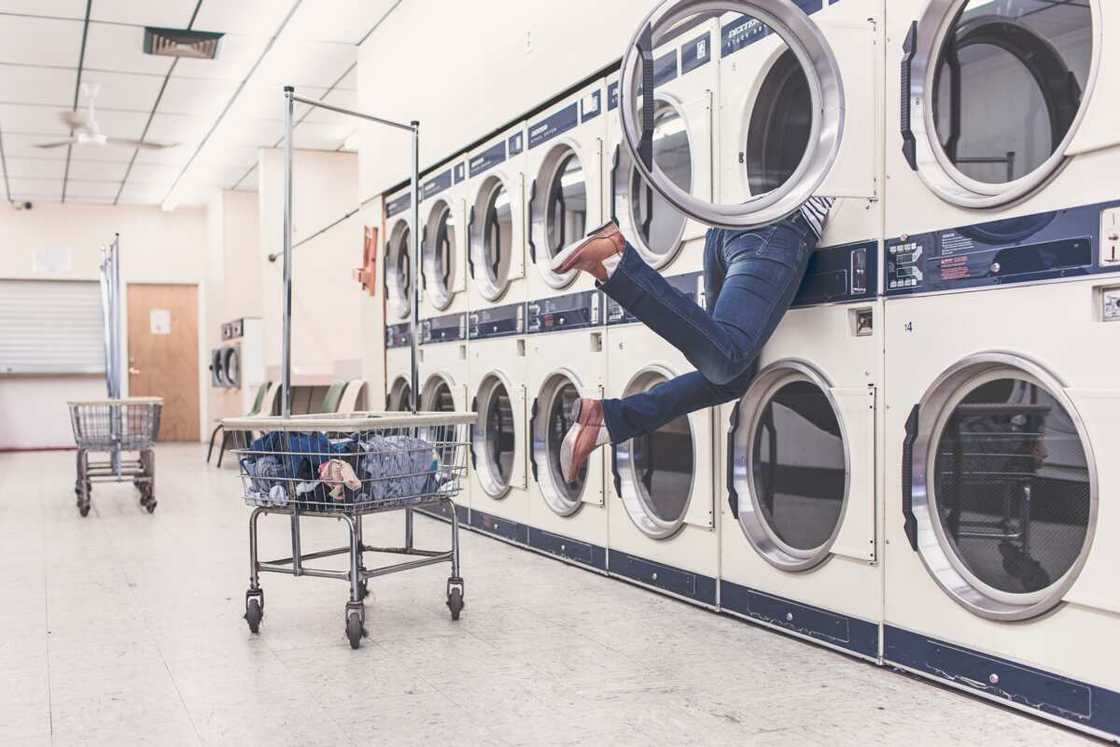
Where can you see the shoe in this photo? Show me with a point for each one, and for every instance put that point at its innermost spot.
(601, 248)
(587, 433)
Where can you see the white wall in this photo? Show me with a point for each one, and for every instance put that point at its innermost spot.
(156, 247)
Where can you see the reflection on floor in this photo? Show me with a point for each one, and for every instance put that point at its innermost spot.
(126, 628)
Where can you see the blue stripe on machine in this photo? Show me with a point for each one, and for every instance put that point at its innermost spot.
(591, 106)
(560, 122)
(516, 143)
(488, 159)
(500, 321)
(612, 96)
(665, 69)
(695, 586)
(745, 30)
(435, 185)
(398, 205)
(496, 525)
(576, 551)
(460, 172)
(696, 53)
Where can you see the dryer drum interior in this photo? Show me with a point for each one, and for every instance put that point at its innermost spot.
(436, 396)
(399, 269)
(1010, 489)
(216, 376)
(657, 470)
(231, 366)
(790, 467)
(495, 436)
(786, 167)
(439, 254)
(559, 209)
(556, 403)
(492, 237)
(400, 396)
(1006, 82)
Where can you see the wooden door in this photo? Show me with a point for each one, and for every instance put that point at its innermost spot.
(163, 354)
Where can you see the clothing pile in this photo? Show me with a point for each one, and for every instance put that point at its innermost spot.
(321, 473)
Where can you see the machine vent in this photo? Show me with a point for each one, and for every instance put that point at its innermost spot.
(199, 45)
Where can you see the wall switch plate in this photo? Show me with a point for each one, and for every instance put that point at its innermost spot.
(1110, 237)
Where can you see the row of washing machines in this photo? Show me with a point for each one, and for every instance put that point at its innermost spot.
(924, 470)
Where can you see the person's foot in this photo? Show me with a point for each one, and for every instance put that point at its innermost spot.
(587, 433)
(596, 255)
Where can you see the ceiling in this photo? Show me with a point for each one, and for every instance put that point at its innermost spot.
(219, 112)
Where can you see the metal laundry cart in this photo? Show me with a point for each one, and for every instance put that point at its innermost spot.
(344, 467)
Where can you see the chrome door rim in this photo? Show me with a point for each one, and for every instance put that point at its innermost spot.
(538, 221)
(490, 482)
(946, 567)
(825, 84)
(939, 174)
(439, 294)
(551, 492)
(399, 305)
(491, 287)
(397, 391)
(752, 521)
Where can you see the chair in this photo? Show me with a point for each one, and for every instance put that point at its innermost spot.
(264, 404)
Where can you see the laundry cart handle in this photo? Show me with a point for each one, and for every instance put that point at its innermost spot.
(910, 522)
(909, 142)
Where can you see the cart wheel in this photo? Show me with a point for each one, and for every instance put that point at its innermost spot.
(455, 602)
(253, 614)
(83, 509)
(355, 630)
(151, 505)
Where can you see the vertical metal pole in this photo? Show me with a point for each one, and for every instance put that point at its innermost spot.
(115, 294)
(414, 326)
(286, 354)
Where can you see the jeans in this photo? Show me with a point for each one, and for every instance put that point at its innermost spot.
(750, 279)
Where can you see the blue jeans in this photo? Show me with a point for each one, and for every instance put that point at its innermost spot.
(750, 279)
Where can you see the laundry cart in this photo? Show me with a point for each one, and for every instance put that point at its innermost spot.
(124, 430)
(343, 467)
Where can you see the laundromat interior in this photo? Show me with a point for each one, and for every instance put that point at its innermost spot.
(634, 372)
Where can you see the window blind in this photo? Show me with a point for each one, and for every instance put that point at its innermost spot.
(51, 326)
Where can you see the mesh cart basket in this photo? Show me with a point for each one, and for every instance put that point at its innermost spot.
(125, 429)
(344, 467)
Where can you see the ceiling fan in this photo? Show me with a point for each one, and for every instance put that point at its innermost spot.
(86, 131)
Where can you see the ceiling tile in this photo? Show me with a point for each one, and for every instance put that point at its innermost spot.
(350, 82)
(23, 146)
(41, 188)
(129, 91)
(344, 99)
(197, 97)
(153, 173)
(143, 194)
(55, 8)
(97, 170)
(323, 136)
(175, 14)
(35, 168)
(171, 128)
(107, 152)
(37, 119)
(296, 63)
(252, 17)
(78, 189)
(40, 41)
(339, 20)
(37, 85)
(122, 124)
(121, 49)
(236, 55)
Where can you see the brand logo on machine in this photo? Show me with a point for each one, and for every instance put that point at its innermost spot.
(436, 185)
(398, 205)
(558, 123)
(746, 30)
(488, 159)
(696, 53)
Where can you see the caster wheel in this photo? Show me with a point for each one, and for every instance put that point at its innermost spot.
(150, 505)
(253, 614)
(455, 602)
(84, 510)
(355, 630)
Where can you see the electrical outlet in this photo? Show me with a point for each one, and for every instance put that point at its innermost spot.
(1110, 237)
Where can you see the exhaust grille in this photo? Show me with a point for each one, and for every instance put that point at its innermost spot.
(199, 45)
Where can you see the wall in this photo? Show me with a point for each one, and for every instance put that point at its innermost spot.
(156, 247)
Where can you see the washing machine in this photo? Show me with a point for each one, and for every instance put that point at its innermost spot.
(686, 78)
(566, 362)
(496, 221)
(444, 388)
(499, 447)
(397, 257)
(566, 192)
(662, 512)
(443, 241)
(1001, 346)
(398, 368)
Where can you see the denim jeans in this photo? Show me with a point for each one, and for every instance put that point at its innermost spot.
(750, 279)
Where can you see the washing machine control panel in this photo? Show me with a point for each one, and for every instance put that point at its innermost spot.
(448, 328)
(398, 336)
(1045, 246)
(500, 321)
(689, 285)
(573, 311)
(840, 274)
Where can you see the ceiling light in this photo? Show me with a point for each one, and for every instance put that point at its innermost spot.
(199, 45)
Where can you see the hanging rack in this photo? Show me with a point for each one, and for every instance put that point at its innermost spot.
(290, 100)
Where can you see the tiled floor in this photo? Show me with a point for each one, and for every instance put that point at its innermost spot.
(126, 628)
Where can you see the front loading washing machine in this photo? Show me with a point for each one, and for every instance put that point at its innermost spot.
(443, 377)
(397, 257)
(499, 458)
(443, 241)
(398, 368)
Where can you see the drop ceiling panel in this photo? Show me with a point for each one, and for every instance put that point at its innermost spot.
(107, 152)
(121, 124)
(339, 20)
(236, 55)
(341, 98)
(77, 189)
(97, 170)
(122, 90)
(40, 41)
(153, 173)
(135, 193)
(55, 8)
(174, 14)
(197, 97)
(36, 119)
(121, 49)
(251, 17)
(40, 188)
(17, 145)
(306, 64)
(37, 85)
(350, 82)
(172, 128)
(35, 168)
(323, 136)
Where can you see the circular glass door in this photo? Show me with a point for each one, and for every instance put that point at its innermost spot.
(780, 24)
(492, 238)
(1009, 485)
(439, 255)
(790, 466)
(494, 437)
(656, 470)
(555, 405)
(1006, 82)
(400, 396)
(559, 215)
(217, 377)
(398, 269)
(231, 366)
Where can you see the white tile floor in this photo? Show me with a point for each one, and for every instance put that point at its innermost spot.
(126, 628)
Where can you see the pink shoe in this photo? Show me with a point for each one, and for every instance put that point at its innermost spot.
(587, 433)
(601, 245)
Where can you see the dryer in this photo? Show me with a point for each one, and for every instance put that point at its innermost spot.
(662, 514)
(566, 193)
(398, 368)
(444, 388)
(498, 444)
(443, 240)
(685, 83)
(566, 361)
(396, 257)
(496, 221)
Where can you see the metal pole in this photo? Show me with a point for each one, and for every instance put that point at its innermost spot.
(414, 327)
(286, 355)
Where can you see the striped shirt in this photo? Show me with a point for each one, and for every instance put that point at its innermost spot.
(815, 211)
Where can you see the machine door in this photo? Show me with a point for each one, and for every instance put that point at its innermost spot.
(398, 270)
(801, 468)
(216, 374)
(496, 232)
(993, 94)
(231, 366)
(785, 112)
(495, 438)
(552, 416)
(1000, 486)
(400, 396)
(664, 477)
(441, 259)
(561, 201)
